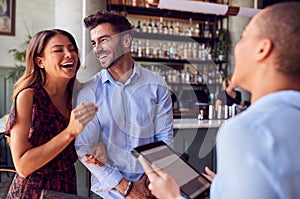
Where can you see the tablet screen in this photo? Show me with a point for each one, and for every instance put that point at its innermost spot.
(192, 184)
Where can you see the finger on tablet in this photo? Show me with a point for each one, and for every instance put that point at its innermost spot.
(147, 168)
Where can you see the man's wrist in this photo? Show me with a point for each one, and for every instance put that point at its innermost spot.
(128, 188)
(124, 186)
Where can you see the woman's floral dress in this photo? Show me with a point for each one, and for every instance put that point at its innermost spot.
(59, 174)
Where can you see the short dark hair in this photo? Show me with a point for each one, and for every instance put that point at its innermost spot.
(119, 23)
(280, 24)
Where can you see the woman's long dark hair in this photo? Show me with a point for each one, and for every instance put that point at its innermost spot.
(33, 73)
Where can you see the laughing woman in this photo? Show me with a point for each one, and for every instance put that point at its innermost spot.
(42, 125)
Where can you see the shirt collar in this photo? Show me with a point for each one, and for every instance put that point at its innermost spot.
(106, 77)
(290, 97)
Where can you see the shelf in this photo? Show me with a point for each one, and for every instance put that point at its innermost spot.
(163, 12)
(175, 61)
(177, 38)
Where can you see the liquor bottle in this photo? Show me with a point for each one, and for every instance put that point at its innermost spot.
(206, 29)
(140, 54)
(155, 50)
(144, 26)
(150, 28)
(134, 3)
(171, 29)
(197, 30)
(134, 48)
(148, 49)
(177, 29)
(166, 29)
(138, 27)
(190, 29)
(195, 50)
(155, 28)
(161, 25)
(188, 75)
(185, 51)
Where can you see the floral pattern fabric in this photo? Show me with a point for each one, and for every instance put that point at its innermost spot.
(57, 175)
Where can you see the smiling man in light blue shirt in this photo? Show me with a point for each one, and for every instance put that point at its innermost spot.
(135, 108)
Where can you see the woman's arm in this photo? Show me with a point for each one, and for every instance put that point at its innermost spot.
(27, 158)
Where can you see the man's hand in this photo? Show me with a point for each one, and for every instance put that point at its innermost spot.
(97, 156)
(92, 160)
(140, 189)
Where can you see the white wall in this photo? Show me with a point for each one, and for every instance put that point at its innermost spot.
(35, 15)
(31, 17)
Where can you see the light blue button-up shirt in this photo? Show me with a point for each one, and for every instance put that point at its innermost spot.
(258, 151)
(129, 115)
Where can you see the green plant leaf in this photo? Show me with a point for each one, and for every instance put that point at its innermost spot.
(19, 56)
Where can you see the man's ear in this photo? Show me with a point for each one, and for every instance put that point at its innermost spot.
(264, 49)
(126, 40)
(39, 61)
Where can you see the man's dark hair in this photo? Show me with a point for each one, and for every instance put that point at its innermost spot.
(119, 23)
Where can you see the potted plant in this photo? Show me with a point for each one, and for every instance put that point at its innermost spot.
(19, 57)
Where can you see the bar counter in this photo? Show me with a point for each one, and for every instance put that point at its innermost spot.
(196, 140)
(188, 123)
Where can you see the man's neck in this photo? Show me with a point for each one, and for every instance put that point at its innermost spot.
(122, 69)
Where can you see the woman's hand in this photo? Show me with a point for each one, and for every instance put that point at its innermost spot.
(209, 174)
(162, 185)
(81, 116)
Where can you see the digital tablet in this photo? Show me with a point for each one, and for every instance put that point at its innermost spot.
(192, 183)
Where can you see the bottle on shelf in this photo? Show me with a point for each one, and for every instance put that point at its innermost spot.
(144, 26)
(134, 3)
(138, 27)
(206, 29)
(134, 48)
(185, 51)
(148, 50)
(171, 28)
(155, 27)
(155, 50)
(177, 29)
(144, 48)
(188, 75)
(190, 50)
(172, 51)
(139, 52)
(150, 27)
(190, 29)
(197, 30)
(166, 28)
(199, 78)
(160, 50)
(165, 51)
(161, 25)
(195, 50)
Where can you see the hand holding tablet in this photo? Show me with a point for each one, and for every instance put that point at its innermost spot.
(169, 174)
(162, 185)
